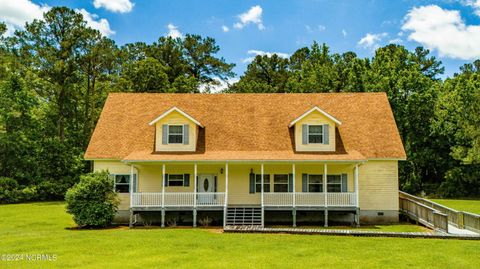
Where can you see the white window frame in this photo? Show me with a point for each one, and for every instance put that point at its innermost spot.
(321, 134)
(168, 134)
(341, 183)
(176, 180)
(321, 182)
(129, 184)
(274, 184)
(258, 183)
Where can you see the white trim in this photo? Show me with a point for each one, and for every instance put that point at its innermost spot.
(244, 161)
(315, 108)
(321, 133)
(177, 110)
(182, 134)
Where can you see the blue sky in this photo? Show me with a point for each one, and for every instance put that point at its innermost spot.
(450, 28)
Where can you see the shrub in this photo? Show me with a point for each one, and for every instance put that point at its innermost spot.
(49, 190)
(92, 202)
(28, 193)
(9, 192)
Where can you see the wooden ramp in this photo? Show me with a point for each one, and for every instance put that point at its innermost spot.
(438, 217)
(339, 232)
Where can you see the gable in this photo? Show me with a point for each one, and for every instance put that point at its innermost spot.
(315, 118)
(255, 125)
(177, 119)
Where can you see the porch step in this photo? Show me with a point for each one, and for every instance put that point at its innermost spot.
(238, 216)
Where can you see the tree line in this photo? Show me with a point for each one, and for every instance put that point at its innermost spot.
(56, 73)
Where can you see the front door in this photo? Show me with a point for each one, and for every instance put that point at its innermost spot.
(206, 189)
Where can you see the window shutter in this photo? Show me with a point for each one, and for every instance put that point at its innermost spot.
(185, 134)
(197, 183)
(252, 183)
(290, 182)
(134, 183)
(166, 180)
(304, 134)
(186, 180)
(304, 183)
(326, 133)
(215, 184)
(165, 134)
(344, 182)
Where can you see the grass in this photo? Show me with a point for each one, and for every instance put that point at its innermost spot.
(472, 206)
(43, 228)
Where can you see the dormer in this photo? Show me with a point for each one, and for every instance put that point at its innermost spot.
(175, 130)
(315, 131)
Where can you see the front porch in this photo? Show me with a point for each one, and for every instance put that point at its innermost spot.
(228, 186)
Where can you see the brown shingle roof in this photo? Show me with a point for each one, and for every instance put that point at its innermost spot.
(246, 126)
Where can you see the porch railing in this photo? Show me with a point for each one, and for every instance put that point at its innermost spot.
(177, 199)
(310, 199)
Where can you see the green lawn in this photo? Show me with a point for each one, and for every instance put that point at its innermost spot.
(43, 228)
(472, 206)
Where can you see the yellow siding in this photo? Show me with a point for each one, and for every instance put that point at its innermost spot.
(314, 118)
(176, 118)
(378, 182)
(115, 167)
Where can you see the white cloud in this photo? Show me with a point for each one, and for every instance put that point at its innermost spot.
(225, 28)
(94, 22)
(16, 13)
(395, 41)
(443, 30)
(120, 6)
(173, 31)
(219, 85)
(261, 52)
(475, 4)
(252, 16)
(370, 41)
(320, 28)
(344, 33)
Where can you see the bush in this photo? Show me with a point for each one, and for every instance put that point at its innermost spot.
(28, 193)
(50, 190)
(9, 192)
(93, 201)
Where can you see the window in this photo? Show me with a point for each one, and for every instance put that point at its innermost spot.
(334, 183)
(122, 183)
(315, 183)
(175, 134)
(266, 183)
(280, 183)
(175, 180)
(315, 134)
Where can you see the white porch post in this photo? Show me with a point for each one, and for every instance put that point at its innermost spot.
(356, 185)
(261, 187)
(294, 210)
(357, 196)
(130, 223)
(163, 195)
(226, 197)
(293, 183)
(131, 185)
(195, 195)
(325, 193)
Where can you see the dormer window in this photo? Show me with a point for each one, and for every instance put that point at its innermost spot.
(315, 134)
(175, 134)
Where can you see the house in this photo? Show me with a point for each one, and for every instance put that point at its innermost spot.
(251, 158)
